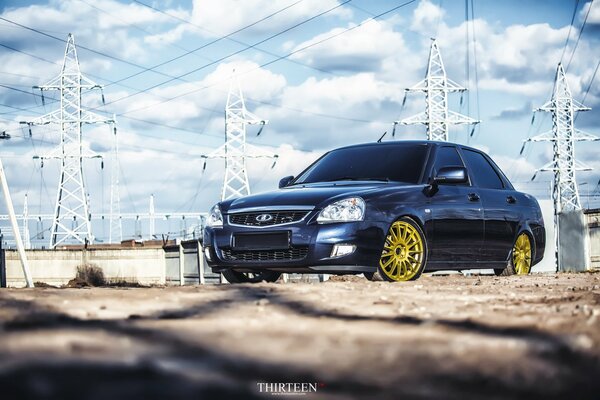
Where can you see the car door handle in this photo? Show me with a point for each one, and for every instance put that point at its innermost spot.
(511, 200)
(473, 197)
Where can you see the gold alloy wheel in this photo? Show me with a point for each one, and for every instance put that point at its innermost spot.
(403, 252)
(521, 254)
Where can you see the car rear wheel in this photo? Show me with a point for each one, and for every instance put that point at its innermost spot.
(520, 257)
(404, 252)
(250, 277)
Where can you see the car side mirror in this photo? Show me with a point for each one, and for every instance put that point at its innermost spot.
(451, 175)
(285, 181)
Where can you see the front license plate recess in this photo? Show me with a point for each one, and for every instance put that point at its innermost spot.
(261, 241)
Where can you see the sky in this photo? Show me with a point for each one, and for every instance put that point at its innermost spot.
(324, 73)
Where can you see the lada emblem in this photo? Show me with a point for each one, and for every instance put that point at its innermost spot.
(264, 217)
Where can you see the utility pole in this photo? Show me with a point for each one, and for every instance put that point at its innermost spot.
(116, 225)
(235, 150)
(563, 136)
(436, 87)
(71, 211)
(15, 227)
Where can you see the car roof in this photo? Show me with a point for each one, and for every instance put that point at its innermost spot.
(396, 142)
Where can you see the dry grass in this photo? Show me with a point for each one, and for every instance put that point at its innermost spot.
(88, 275)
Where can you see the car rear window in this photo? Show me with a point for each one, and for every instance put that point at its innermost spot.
(399, 162)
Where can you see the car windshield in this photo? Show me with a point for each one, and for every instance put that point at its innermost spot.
(402, 162)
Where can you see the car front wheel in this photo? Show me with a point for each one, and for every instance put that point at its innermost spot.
(404, 252)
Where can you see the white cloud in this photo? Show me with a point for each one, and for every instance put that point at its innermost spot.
(362, 49)
(104, 25)
(291, 161)
(372, 65)
(594, 13)
(205, 95)
(426, 17)
(226, 16)
(216, 19)
(534, 88)
(518, 59)
(168, 37)
(338, 110)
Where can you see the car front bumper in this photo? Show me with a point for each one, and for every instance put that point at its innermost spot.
(310, 248)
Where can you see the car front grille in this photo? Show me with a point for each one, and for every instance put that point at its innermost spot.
(294, 253)
(276, 218)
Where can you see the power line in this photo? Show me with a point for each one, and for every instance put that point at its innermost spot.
(570, 28)
(278, 58)
(476, 66)
(100, 53)
(178, 128)
(58, 64)
(579, 36)
(227, 36)
(265, 64)
(140, 29)
(587, 90)
(205, 87)
(178, 77)
(560, 62)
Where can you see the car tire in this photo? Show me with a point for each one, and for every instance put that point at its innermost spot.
(404, 253)
(250, 277)
(373, 276)
(519, 260)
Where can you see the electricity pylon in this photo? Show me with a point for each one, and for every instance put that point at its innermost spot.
(436, 86)
(563, 136)
(235, 150)
(115, 224)
(71, 212)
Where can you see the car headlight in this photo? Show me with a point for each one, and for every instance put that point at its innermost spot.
(215, 218)
(352, 209)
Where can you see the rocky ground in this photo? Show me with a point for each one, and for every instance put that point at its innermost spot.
(439, 337)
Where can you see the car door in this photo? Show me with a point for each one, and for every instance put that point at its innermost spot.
(501, 211)
(457, 215)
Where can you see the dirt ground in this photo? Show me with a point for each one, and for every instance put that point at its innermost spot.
(441, 337)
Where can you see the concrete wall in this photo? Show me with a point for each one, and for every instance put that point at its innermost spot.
(195, 269)
(548, 264)
(57, 267)
(572, 238)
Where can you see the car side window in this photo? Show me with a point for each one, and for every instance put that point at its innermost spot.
(447, 156)
(483, 173)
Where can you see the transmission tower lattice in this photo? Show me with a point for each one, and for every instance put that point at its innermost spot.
(116, 225)
(436, 86)
(563, 137)
(72, 215)
(26, 237)
(235, 150)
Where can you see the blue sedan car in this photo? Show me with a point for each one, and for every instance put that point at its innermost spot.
(387, 210)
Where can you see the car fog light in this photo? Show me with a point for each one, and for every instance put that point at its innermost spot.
(340, 250)
(207, 253)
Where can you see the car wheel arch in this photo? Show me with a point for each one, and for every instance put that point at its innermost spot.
(418, 221)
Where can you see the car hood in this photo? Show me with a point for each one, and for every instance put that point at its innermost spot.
(316, 195)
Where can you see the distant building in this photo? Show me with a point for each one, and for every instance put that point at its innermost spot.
(592, 219)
